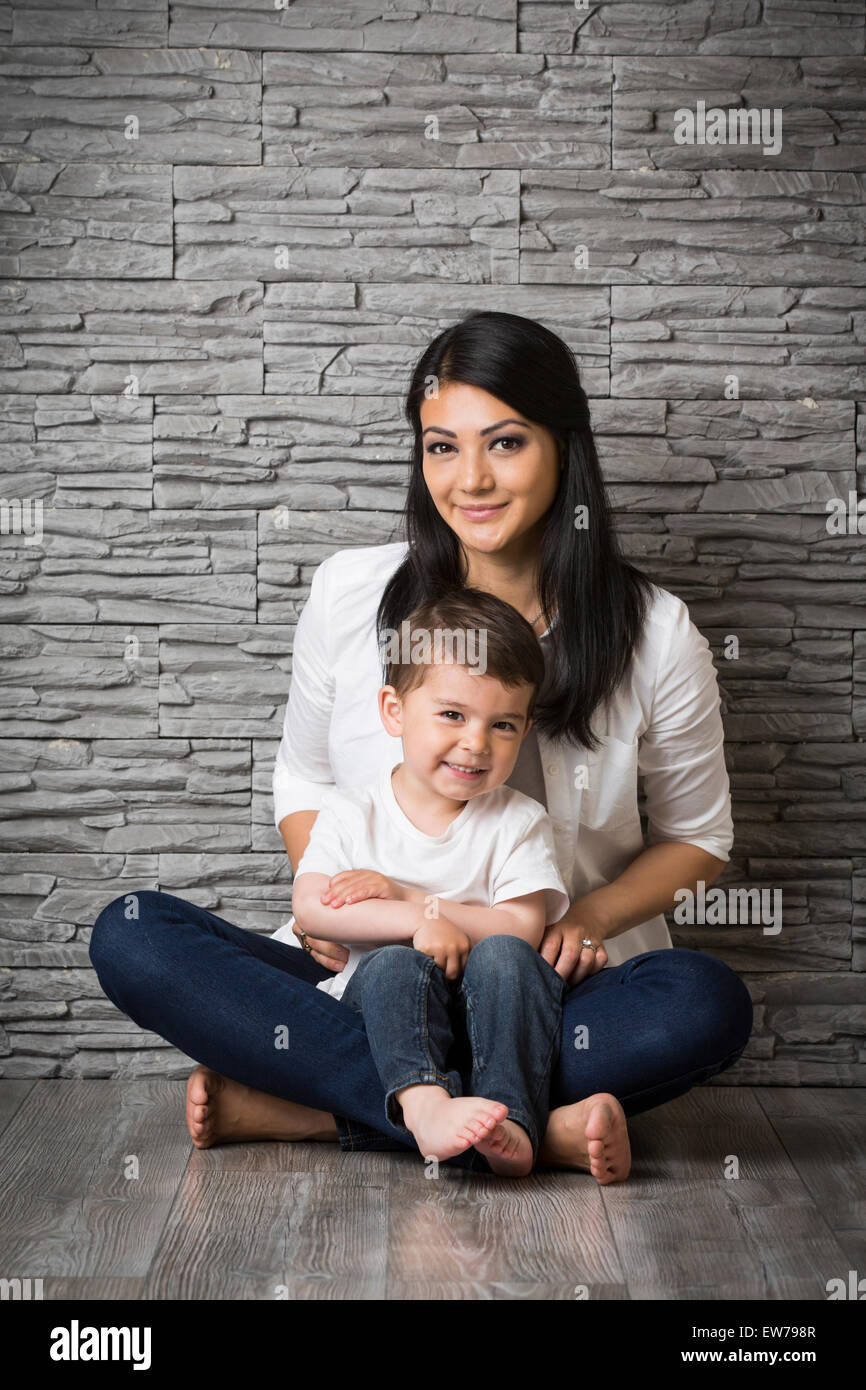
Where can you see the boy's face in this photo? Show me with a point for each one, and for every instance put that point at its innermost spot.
(454, 721)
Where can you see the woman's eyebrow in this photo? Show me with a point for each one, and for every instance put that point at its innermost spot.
(510, 421)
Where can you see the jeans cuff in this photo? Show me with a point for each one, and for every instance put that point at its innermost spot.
(359, 1138)
(393, 1109)
(354, 1136)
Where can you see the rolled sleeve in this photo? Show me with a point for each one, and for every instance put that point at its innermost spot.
(302, 769)
(681, 754)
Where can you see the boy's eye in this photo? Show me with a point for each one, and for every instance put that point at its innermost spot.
(500, 723)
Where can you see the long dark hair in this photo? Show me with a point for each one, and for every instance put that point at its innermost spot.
(600, 599)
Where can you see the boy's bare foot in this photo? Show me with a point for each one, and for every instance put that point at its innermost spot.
(508, 1150)
(444, 1125)
(591, 1134)
(221, 1111)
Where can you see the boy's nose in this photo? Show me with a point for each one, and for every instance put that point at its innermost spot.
(474, 743)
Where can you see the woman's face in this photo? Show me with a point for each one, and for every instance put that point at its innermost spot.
(492, 486)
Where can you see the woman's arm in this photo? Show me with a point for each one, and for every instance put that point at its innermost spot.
(642, 891)
(302, 773)
(295, 830)
(688, 804)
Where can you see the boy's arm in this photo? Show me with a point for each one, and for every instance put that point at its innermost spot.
(379, 920)
(331, 850)
(522, 907)
(526, 886)
(524, 916)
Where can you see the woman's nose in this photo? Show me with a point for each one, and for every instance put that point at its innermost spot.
(473, 470)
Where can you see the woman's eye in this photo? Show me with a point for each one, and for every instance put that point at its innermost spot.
(515, 439)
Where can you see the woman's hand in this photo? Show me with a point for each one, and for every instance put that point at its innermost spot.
(562, 947)
(356, 885)
(447, 944)
(646, 888)
(331, 954)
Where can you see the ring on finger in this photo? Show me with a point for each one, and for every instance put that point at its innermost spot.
(591, 944)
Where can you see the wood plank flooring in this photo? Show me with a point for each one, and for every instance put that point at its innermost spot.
(735, 1192)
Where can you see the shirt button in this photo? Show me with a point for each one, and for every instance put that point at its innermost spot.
(553, 769)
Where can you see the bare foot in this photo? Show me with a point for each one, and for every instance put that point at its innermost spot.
(508, 1150)
(221, 1111)
(591, 1134)
(444, 1125)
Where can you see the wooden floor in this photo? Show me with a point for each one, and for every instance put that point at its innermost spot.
(264, 1221)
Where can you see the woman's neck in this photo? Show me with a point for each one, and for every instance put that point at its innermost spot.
(513, 580)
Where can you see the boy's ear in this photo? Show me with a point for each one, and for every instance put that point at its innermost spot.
(526, 730)
(391, 710)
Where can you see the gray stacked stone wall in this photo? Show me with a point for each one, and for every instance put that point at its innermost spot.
(228, 229)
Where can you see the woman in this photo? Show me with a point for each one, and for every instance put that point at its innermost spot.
(506, 495)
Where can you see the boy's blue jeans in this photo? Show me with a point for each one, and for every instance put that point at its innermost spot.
(495, 1033)
(646, 1031)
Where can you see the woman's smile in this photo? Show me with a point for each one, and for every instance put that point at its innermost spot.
(481, 513)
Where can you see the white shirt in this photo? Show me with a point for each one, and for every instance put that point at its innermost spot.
(498, 847)
(663, 721)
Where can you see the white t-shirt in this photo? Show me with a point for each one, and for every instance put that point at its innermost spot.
(663, 721)
(498, 847)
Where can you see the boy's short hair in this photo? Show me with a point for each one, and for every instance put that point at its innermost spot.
(513, 653)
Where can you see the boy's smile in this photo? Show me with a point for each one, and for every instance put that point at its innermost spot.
(468, 773)
(461, 733)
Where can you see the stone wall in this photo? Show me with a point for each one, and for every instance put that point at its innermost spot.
(226, 237)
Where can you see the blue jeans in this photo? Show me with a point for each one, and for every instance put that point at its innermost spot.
(656, 1025)
(494, 1033)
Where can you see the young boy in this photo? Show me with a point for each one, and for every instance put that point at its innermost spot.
(457, 874)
